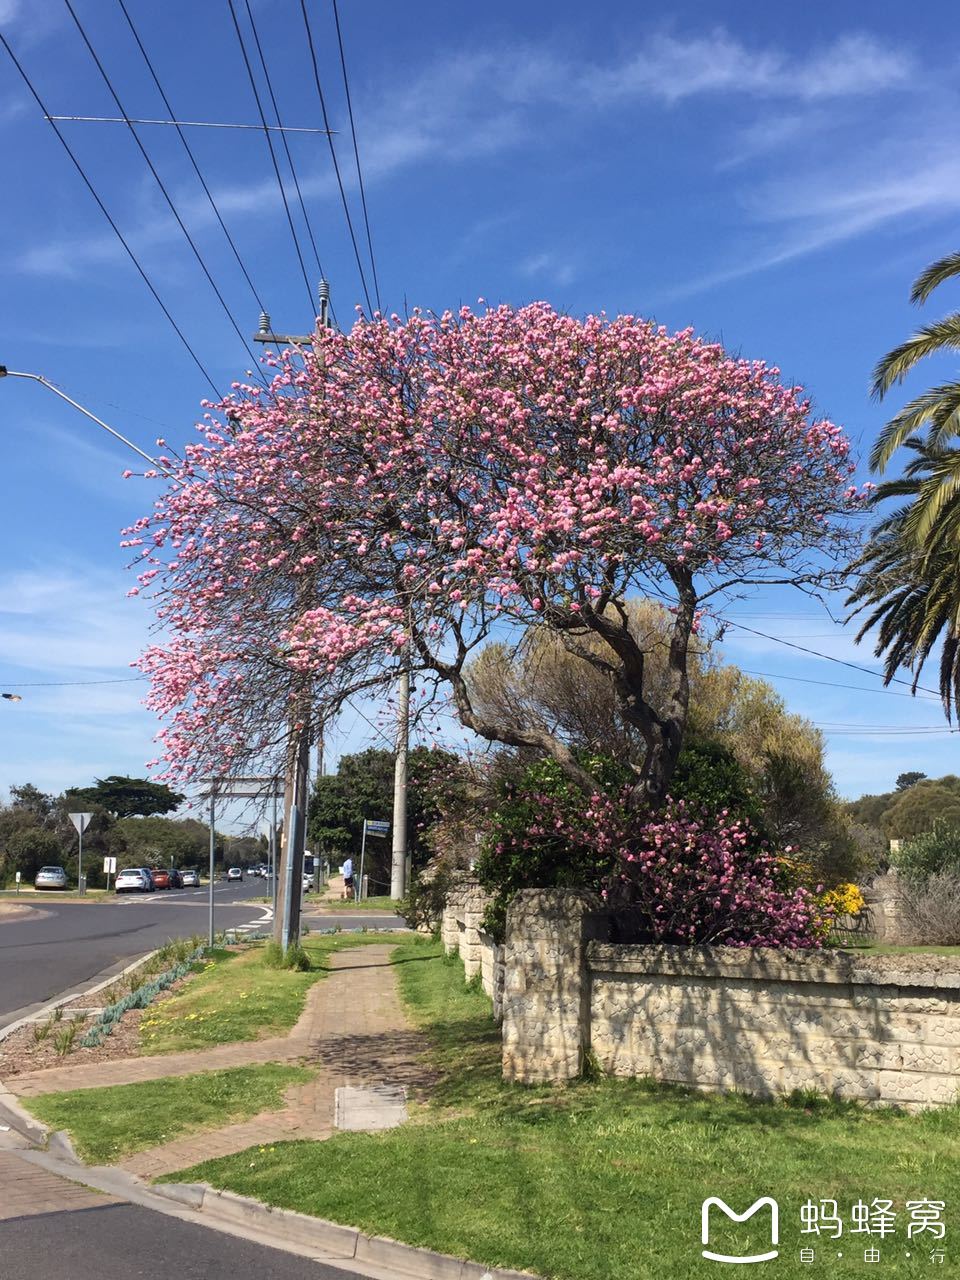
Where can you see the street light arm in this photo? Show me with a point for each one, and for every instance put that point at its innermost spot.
(36, 377)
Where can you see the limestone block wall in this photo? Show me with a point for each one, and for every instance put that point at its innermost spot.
(546, 996)
(492, 972)
(452, 922)
(772, 1021)
(885, 917)
(461, 931)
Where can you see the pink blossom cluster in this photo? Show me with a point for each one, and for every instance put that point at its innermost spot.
(451, 470)
(693, 878)
(702, 879)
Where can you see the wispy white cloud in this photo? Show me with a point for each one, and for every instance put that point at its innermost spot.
(554, 267)
(672, 68)
(465, 106)
(830, 201)
(68, 622)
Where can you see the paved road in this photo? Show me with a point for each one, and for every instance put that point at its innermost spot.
(65, 944)
(68, 943)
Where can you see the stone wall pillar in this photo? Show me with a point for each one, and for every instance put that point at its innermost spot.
(452, 921)
(886, 919)
(546, 997)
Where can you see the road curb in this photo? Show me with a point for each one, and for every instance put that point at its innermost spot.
(19, 1119)
(61, 1148)
(99, 983)
(330, 1238)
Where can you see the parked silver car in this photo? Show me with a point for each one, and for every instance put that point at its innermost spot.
(50, 878)
(191, 878)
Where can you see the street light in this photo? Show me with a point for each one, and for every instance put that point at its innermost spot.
(36, 377)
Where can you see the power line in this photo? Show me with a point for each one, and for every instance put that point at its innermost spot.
(382, 732)
(283, 138)
(854, 666)
(333, 153)
(891, 732)
(356, 154)
(193, 160)
(188, 124)
(273, 154)
(831, 684)
(103, 209)
(166, 195)
(69, 684)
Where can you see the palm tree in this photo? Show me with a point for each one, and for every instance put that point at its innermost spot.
(939, 408)
(909, 586)
(909, 580)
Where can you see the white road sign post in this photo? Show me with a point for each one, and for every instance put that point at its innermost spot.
(109, 865)
(371, 827)
(81, 821)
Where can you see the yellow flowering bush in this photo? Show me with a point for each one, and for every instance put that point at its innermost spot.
(844, 900)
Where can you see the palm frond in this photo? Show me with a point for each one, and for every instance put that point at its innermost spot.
(933, 276)
(896, 364)
(939, 407)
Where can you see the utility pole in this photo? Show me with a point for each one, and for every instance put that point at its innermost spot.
(296, 797)
(398, 862)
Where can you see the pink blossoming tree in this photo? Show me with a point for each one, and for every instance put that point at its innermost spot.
(415, 486)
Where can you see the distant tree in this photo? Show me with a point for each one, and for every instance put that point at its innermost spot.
(160, 841)
(909, 779)
(29, 850)
(362, 788)
(32, 799)
(242, 850)
(868, 810)
(127, 797)
(921, 806)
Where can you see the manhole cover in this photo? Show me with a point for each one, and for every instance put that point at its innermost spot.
(379, 1106)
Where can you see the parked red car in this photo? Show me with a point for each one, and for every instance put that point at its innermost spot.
(160, 877)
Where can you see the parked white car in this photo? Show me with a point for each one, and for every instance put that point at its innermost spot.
(134, 880)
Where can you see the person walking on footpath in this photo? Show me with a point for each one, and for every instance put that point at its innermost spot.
(347, 870)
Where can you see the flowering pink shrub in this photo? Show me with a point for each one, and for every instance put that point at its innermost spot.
(704, 878)
(692, 876)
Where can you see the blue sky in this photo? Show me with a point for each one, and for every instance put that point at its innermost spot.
(774, 176)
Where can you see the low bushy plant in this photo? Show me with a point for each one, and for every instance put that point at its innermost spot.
(931, 908)
(295, 957)
(691, 873)
(422, 907)
(933, 853)
(538, 839)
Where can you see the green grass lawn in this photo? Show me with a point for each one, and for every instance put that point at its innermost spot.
(237, 997)
(888, 949)
(384, 905)
(605, 1180)
(54, 895)
(107, 1124)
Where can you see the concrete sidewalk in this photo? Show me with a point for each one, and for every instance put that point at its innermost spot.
(353, 1030)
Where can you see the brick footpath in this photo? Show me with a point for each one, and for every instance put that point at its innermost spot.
(353, 1030)
(27, 1190)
